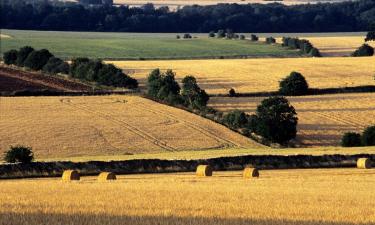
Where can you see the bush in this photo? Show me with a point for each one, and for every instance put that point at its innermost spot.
(232, 93)
(187, 36)
(37, 59)
(368, 136)
(364, 50)
(10, 57)
(20, 154)
(220, 34)
(370, 36)
(294, 84)
(211, 34)
(314, 52)
(236, 119)
(351, 139)
(23, 53)
(253, 37)
(178, 36)
(270, 40)
(276, 120)
(242, 37)
(55, 66)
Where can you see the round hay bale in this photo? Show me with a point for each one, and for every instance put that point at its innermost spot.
(204, 171)
(250, 172)
(363, 163)
(105, 176)
(70, 175)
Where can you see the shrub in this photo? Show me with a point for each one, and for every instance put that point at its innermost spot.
(56, 65)
(368, 136)
(276, 120)
(23, 53)
(187, 36)
(294, 84)
(232, 93)
(178, 36)
(253, 37)
(314, 52)
(20, 154)
(270, 40)
(220, 34)
(10, 57)
(235, 119)
(211, 34)
(242, 37)
(351, 139)
(364, 50)
(37, 59)
(370, 36)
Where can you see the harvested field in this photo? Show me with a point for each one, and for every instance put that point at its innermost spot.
(323, 119)
(107, 125)
(277, 197)
(258, 75)
(16, 80)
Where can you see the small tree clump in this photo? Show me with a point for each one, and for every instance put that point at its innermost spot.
(10, 57)
(351, 139)
(37, 59)
(368, 136)
(242, 37)
(235, 119)
(295, 84)
(20, 154)
(232, 93)
(23, 53)
(364, 50)
(187, 36)
(55, 66)
(253, 37)
(211, 34)
(178, 36)
(220, 34)
(270, 40)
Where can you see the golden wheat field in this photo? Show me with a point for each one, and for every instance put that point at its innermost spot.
(277, 197)
(254, 75)
(323, 119)
(107, 125)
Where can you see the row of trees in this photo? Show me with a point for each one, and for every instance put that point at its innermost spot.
(104, 74)
(352, 139)
(163, 86)
(330, 17)
(303, 45)
(36, 60)
(81, 68)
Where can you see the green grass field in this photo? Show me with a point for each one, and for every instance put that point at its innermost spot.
(136, 45)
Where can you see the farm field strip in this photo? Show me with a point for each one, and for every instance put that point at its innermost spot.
(278, 197)
(107, 125)
(323, 119)
(260, 75)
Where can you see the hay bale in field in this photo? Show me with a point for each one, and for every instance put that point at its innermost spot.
(70, 175)
(250, 172)
(363, 163)
(204, 171)
(104, 176)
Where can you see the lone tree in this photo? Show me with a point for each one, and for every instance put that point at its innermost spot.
(351, 139)
(10, 57)
(368, 136)
(20, 154)
(294, 84)
(276, 120)
(370, 36)
(193, 94)
(364, 50)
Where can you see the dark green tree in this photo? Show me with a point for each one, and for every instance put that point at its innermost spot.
(22, 55)
(276, 120)
(253, 37)
(20, 154)
(236, 119)
(368, 136)
(294, 84)
(10, 57)
(370, 36)
(55, 66)
(364, 50)
(351, 139)
(37, 59)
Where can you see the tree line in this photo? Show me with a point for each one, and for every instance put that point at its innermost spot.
(80, 68)
(322, 17)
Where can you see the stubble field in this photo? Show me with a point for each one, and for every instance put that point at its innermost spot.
(278, 197)
(107, 125)
(323, 119)
(258, 75)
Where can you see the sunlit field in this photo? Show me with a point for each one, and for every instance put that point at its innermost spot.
(323, 119)
(257, 75)
(277, 197)
(107, 125)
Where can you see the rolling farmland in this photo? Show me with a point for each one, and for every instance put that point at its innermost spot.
(107, 125)
(258, 75)
(137, 45)
(323, 119)
(278, 197)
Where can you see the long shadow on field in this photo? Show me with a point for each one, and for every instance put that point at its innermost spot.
(102, 219)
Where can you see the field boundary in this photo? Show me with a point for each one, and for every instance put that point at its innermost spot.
(141, 166)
